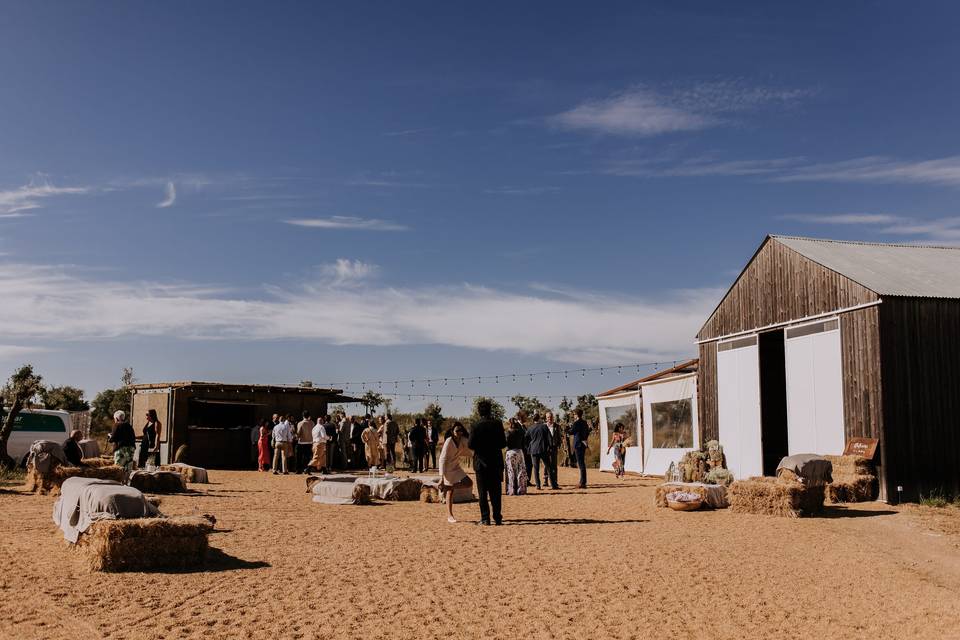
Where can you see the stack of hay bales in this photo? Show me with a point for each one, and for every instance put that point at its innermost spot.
(662, 490)
(191, 474)
(102, 461)
(854, 479)
(776, 497)
(361, 494)
(158, 481)
(49, 482)
(145, 543)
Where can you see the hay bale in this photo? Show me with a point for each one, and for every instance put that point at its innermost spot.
(405, 489)
(158, 481)
(141, 544)
(361, 493)
(846, 467)
(861, 488)
(430, 495)
(49, 483)
(190, 473)
(775, 497)
(98, 462)
(660, 499)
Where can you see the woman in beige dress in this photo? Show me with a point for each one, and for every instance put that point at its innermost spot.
(371, 443)
(452, 474)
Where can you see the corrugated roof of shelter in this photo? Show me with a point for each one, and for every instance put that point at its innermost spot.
(888, 269)
(679, 369)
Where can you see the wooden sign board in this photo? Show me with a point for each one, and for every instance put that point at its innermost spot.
(865, 447)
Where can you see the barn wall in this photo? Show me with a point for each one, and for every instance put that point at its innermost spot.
(920, 362)
(707, 392)
(780, 285)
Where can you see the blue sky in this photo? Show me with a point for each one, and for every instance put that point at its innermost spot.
(360, 191)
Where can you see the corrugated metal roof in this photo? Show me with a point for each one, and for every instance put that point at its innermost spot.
(888, 269)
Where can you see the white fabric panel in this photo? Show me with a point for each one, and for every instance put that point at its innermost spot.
(815, 394)
(634, 459)
(657, 460)
(738, 409)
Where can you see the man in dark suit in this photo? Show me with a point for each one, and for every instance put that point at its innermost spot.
(418, 446)
(556, 444)
(487, 441)
(540, 443)
(580, 430)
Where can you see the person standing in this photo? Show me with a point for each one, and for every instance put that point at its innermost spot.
(330, 430)
(71, 449)
(539, 437)
(516, 469)
(283, 436)
(433, 439)
(371, 443)
(487, 442)
(452, 475)
(556, 443)
(580, 430)
(392, 432)
(418, 445)
(304, 441)
(356, 440)
(263, 445)
(343, 437)
(124, 440)
(318, 462)
(148, 441)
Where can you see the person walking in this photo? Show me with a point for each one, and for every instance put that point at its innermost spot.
(487, 442)
(418, 445)
(452, 475)
(304, 442)
(263, 445)
(515, 466)
(618, 444)
(124, 441)
(556, 444)
(540, 442)
(392, 434)
(283, 436)
(580, 430)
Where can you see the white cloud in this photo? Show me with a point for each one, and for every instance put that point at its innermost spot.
(347, 222)
(14, 202)
(345, 271)
(643, 111)
(521, 191)
(170, 196)
(585, 328)
(944, 231)
(698, 167)
(880, 169)
(12, 351)
(847, 218)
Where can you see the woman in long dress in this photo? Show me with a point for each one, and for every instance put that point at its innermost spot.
(452, 475)
(515, 464)
(371, 444)
(263, 447)
(618, 444)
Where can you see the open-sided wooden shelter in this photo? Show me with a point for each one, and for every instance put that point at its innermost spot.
(820, 341)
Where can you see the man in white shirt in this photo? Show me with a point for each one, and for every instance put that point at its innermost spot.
(320, 439)
(304, 441)
(283, 436)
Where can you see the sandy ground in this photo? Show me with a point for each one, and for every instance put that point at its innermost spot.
(600, 563)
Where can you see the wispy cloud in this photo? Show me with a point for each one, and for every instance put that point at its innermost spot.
(170, 196)
(15, 202)
(880, 169)
(562, 327)
(643, 111)
(381, 182)
(345, 271)
(407, 132)
(698, 167)
(347, 222)
(945, 230)
(521, 191)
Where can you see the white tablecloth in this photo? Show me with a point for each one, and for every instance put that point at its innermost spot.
(333, 492)
(90, 448)
(715, 494)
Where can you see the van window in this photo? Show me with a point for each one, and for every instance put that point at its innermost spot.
(35, 422)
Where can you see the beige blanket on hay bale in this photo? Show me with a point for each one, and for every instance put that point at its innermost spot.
(84, 501)
(51, 481)
(713, 495)
(157, 481)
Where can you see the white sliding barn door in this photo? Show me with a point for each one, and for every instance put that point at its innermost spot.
(738, 405)
(815, 388)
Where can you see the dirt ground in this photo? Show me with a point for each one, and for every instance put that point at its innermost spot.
(600, 563)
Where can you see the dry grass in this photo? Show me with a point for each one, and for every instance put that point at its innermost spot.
(102, 461)
(775, 497)
(143, 544)
(852, 489)
(158, 482)
(49, 483)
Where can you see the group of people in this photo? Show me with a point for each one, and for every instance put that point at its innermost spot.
(341, 442)
(124, 441)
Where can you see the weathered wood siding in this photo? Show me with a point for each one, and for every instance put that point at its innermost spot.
(920, 339)
(780, 285)
(707, 392)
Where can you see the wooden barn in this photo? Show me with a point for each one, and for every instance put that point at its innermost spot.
(215, 419)
(821, 341)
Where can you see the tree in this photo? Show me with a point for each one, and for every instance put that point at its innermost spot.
(109, 401)
(434, 412)
(24, 385)
(529, 405)
(566, 406)
(590, 407)
(497, 411)
(66, 398)
(371, 400)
